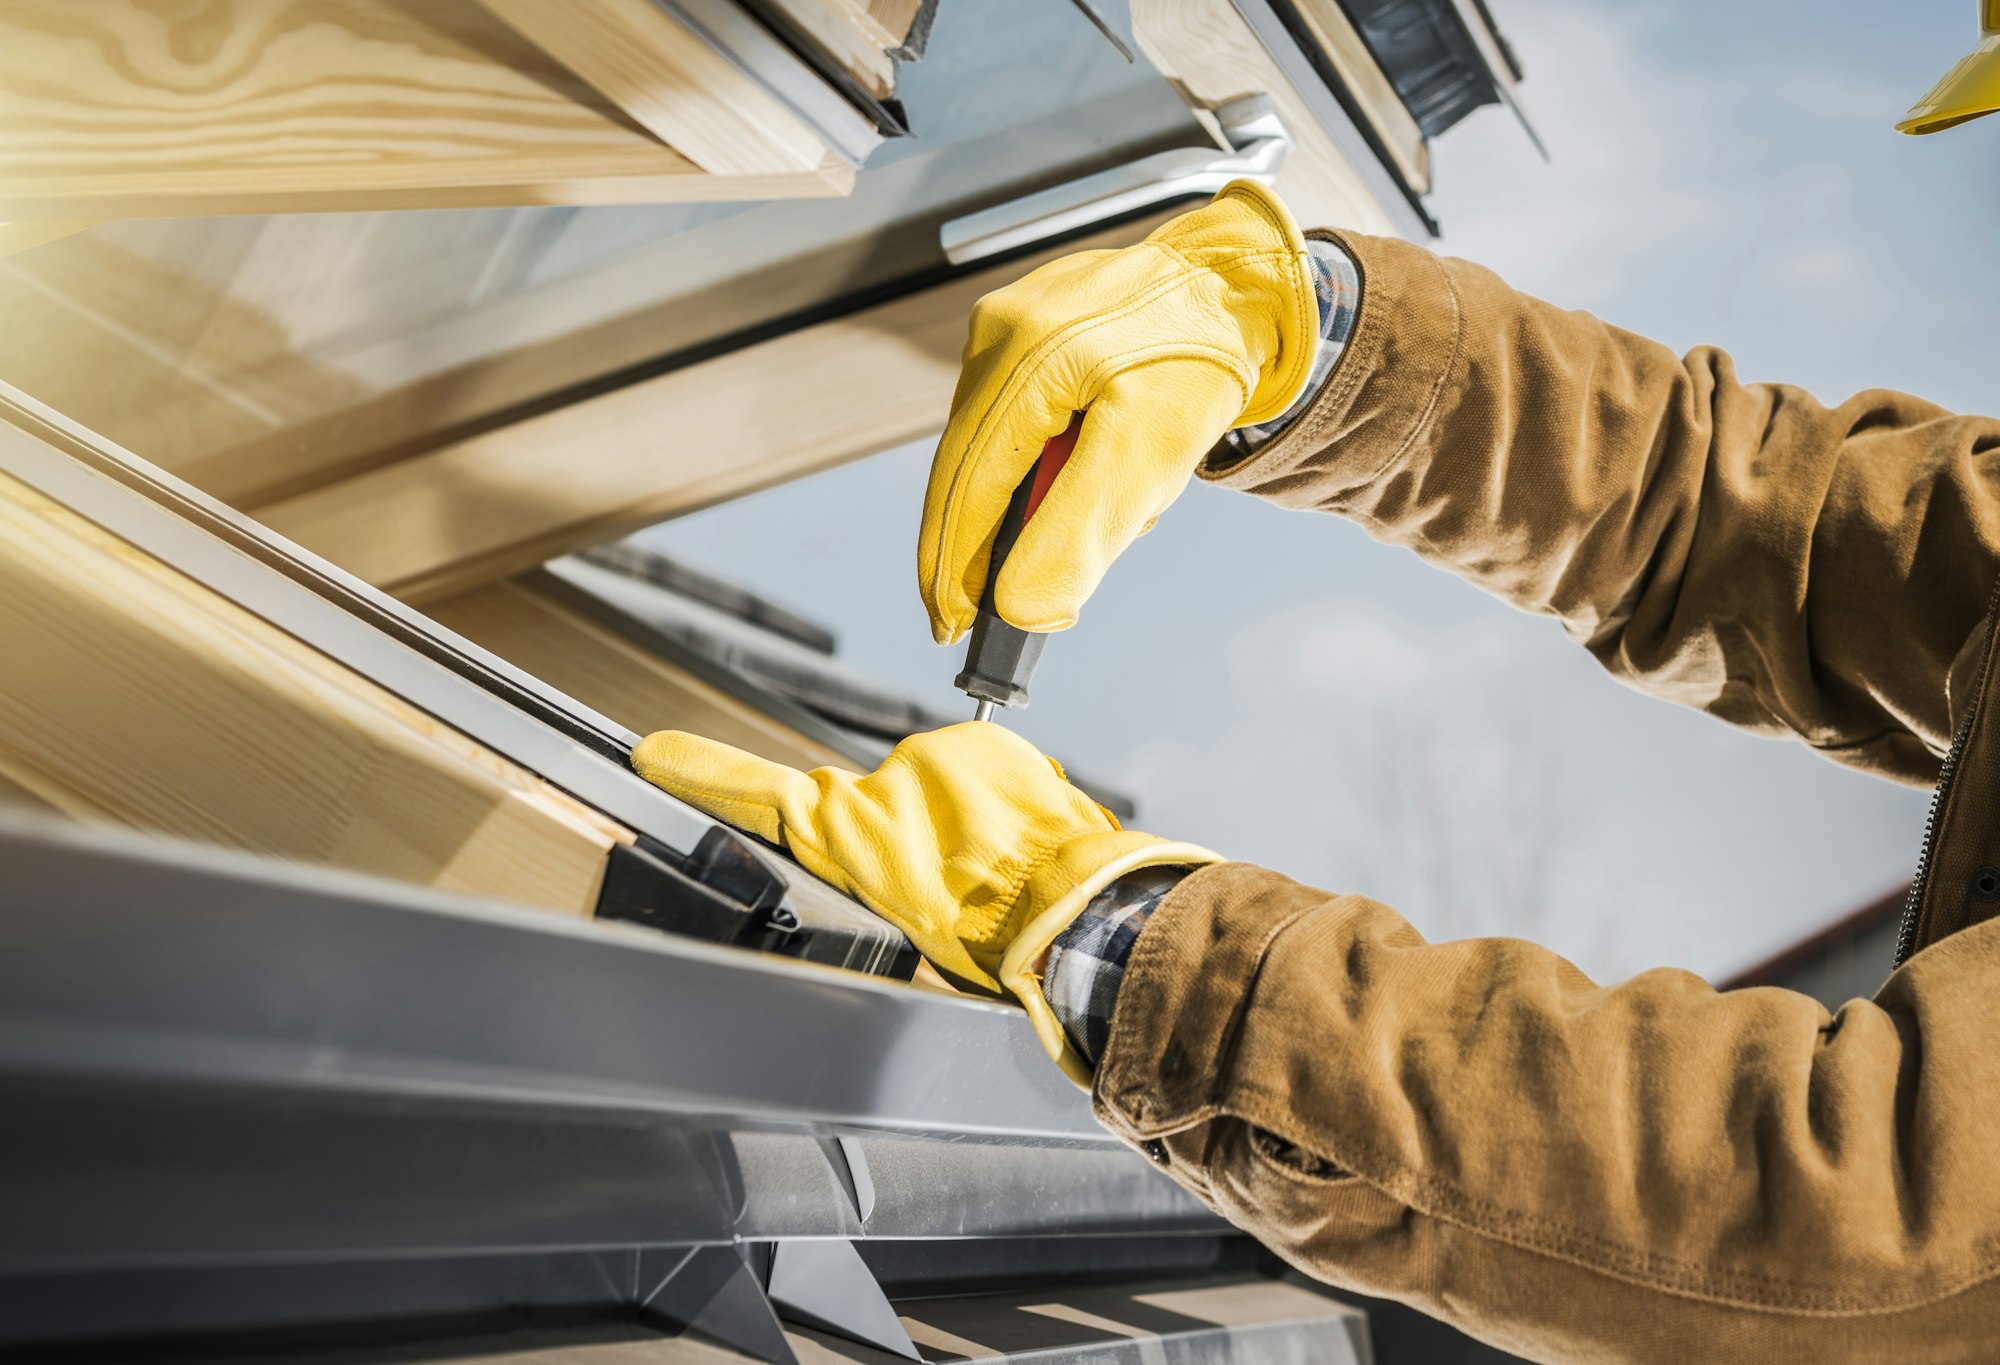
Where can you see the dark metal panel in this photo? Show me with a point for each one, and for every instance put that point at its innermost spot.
(1428, 56)
(1149, 1320)
(1402, 205)
(136, 958)
(96, 1177)
(332, 1296)
(1444, 57)
(221, 1070)
(990, 1191)
(645, 565)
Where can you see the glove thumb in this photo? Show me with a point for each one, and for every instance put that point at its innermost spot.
(737, 788)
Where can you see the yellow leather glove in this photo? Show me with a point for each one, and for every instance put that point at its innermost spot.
(967, 839)
(1210, 323)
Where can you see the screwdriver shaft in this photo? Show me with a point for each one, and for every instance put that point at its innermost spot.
(1000, 657)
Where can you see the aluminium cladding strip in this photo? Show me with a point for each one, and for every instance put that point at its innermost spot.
(474, 692)
(245, 1094)
(132, 959)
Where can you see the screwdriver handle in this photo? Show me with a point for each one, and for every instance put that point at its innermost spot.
(1027, 501)
(1000, 658)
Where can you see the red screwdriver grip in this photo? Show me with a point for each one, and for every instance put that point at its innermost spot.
(1000, 658)
(1054, 456)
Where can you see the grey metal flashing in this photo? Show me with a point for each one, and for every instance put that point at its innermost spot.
(716, 1292)
(243, 1093)
(1402, 205)
(475, 692)
(1258, 143)
(1500, 65)
(822, 1282)
(1444, 57)
(801, 686)
(818, 696)
(579, 587)
(135, 958)
(701, 1306)
(628, 559)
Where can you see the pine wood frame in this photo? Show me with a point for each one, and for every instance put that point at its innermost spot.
(117, 109)
(135, 696)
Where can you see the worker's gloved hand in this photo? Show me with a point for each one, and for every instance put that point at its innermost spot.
(967, 839)
(1208, 324)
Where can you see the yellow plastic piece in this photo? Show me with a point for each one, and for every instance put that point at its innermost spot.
(1209, 323)
(1968, 90)
(966, 839)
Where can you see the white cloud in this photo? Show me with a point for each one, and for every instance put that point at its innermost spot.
(1416, 747)
(1486, 777)
(1670, 187)
(1842, 95)
(1631, 157)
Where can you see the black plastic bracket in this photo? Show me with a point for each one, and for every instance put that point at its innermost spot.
(723, 892)
(727, 863)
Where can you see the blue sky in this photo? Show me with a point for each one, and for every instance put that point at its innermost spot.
(1280, 687)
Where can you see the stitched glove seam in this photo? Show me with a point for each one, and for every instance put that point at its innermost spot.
(1019, 375)
(1018, 378)
(1017, 887)
(1127, 361)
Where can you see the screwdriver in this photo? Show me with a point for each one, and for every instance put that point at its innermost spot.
(1000, 658)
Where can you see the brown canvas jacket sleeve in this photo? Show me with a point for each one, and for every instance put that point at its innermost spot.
(1788, 566)
(1653, 1170)
(1648, 1172)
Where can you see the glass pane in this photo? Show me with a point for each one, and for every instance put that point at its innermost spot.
(257, 356)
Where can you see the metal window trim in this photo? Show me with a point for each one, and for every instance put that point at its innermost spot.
(1402, 204)
(134, 959)
(1258, 143)
(568, 585)
(1498, 69)
(753, 50)
(440, 673)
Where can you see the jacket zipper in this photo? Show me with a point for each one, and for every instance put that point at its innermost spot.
(1906, 933)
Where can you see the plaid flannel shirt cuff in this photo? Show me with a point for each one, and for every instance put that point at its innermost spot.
(1337, 285)
(1086, 963)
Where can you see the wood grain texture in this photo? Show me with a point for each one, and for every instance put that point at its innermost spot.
(18, 237)
(16, 796)
(888, 21)
(1212, 57)
(672, 83)
(153, 356)
(1349, 56)
(507, 500)
(850, 35)
(134, 695)
(529, 345)
(117, 108)
(614, 676)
